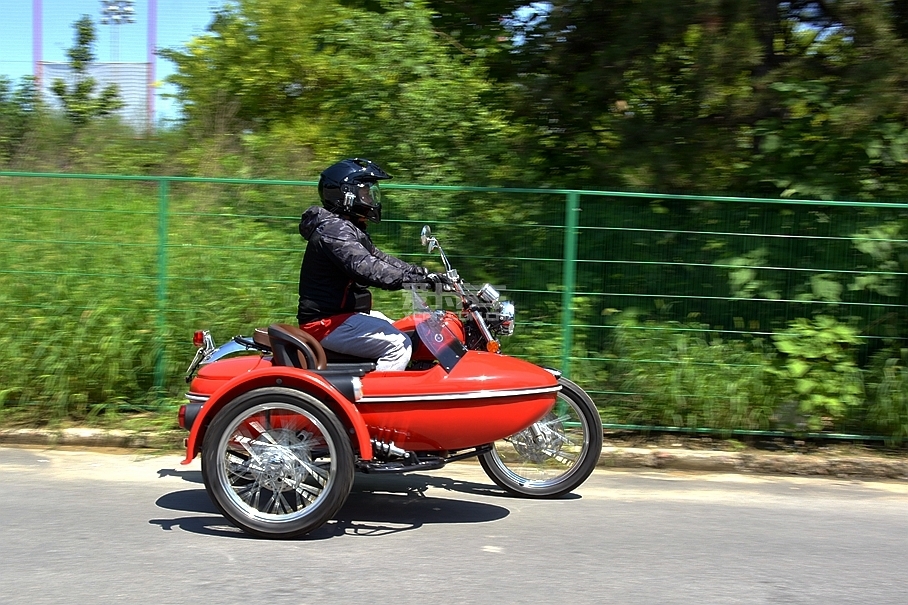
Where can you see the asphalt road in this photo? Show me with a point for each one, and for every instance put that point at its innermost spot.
(90, 527)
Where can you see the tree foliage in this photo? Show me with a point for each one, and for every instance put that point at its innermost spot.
(799, 98)
(80, 102)
(795, 98)
(338, 80)
(802, 98)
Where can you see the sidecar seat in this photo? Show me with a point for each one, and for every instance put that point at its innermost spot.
(293, 347)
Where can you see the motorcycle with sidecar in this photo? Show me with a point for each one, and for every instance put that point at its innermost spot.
(282, 425)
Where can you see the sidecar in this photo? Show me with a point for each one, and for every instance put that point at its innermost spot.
(281, 427)
(463, 400)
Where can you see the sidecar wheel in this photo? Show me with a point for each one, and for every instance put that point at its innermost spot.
(277, 463)
(554, 455)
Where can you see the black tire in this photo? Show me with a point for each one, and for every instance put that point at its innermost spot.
(554, 455)
(277, 463)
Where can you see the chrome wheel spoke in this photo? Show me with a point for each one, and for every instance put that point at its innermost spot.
(277, 504)
(560, 457)
(320, 475)
(250, 493)
(307, 492)
(263, 432)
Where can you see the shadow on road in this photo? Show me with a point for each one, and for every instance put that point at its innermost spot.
(190, 476)
(376, 506)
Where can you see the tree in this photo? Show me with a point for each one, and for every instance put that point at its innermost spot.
(339, 79)
(803, 97)
(80, 103)
(18, 108)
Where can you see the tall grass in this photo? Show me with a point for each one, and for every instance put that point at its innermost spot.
(80, 289)
(681, 378)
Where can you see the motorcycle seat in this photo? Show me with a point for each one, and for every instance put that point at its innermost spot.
(310, 355)
(335, 357)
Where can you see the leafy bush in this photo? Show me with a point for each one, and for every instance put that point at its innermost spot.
(817, 370)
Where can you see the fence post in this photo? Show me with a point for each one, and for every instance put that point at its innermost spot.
(571, 221)
(163, 190)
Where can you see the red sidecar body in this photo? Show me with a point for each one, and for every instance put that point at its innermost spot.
(478, 398)
(485, 397)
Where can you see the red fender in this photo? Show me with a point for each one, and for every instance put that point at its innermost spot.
(304, 381)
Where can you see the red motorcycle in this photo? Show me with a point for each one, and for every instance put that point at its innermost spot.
(282, 424)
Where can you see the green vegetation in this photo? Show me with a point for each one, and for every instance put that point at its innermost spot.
(80, 306)
(88, 332)
(818, 371)
(681, 377)
(689, 312)
(80, 103)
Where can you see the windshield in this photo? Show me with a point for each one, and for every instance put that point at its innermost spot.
(438, 338)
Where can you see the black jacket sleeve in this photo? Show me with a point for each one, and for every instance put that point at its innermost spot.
(358, 257)
(400, 264)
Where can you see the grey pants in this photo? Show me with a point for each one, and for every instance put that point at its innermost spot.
(371, 336)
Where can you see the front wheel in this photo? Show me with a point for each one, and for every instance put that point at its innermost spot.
(555, 454)
(277, 463)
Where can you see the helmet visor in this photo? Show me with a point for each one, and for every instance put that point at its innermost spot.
(369, 194)
(368, 201)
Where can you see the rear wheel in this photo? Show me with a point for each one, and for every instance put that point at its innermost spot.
(277, 463)
(554, 455)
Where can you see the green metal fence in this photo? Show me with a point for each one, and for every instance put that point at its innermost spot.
(605, 282)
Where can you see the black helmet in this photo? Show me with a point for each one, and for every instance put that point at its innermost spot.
(351, 187)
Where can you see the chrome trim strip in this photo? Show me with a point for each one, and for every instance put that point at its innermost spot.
(470, 395)
(197, 398)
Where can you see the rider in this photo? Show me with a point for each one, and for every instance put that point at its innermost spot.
(340, 263)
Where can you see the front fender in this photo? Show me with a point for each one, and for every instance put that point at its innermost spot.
(302, 380)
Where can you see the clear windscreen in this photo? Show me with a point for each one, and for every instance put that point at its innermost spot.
(435, 335)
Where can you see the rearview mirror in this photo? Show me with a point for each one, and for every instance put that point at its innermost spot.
(425, 236)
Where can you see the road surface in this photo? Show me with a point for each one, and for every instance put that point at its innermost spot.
(95, 527)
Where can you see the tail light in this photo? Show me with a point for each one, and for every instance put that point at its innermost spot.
(198, 338)
(187, 415)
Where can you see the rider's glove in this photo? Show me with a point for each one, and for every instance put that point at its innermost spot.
(439, 279)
